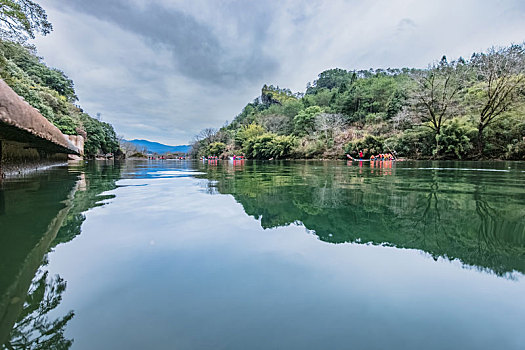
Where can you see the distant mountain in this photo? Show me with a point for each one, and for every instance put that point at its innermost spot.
(155, 147)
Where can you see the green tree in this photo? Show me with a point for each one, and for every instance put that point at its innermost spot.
(101, 137)
(304, 121)
(415, 143)
(331, 79)
(247, 132)
(22, 19)
(323, 98)
(379, 94)
(67, 125)
(455, 138)
(216, 148)
(406, 107)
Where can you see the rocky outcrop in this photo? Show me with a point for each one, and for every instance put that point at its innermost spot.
(78, 142)
(27, 139)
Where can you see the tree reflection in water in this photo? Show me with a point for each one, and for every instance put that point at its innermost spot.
(2, 201)
(55, 203)
(470, 216)
(34, 329)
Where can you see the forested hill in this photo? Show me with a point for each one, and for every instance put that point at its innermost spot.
(51, 92)
(462, 109)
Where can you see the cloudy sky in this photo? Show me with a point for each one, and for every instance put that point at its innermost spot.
(165, 69)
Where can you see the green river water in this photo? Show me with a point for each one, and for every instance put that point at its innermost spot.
(264, 255)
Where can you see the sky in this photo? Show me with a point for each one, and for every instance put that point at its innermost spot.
(163, 70)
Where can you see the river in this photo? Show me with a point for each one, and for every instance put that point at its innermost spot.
(264, 255)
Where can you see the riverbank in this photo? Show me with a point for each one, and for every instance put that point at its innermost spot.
(28, 141)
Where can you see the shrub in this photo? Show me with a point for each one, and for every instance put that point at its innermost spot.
(369, 145)
(455, 138)
(310, 148)
(413, 143)
(516, 150)
(216, 148)
(375, 118)
(282, 146)
(502, 137)
(248, 132)
(268, 146)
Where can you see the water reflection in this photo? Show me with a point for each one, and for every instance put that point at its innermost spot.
(171, 250)
(33, 329)
(95, 178)
(474, 216)
(2, 201)
(37, 213)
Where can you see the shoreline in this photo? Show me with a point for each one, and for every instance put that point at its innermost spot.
(15, 170)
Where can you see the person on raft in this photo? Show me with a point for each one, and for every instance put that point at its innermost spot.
(382, 157)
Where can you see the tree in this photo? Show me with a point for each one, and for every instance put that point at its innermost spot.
(22, 19)
(206, 135)
(331, 125)
(216, 148)
(110, 142)
(501, 72)
(127, 147)
(201, 141)
(101, 137)
(277, 123)
(67, 125)
(247, 132)
(435, 94)
(304, 120)
(330, 79)
(376, 94)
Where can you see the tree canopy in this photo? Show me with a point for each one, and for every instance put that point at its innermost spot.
(22, 19)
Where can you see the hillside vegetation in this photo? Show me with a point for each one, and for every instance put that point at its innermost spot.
(463, 109)
(51, 92)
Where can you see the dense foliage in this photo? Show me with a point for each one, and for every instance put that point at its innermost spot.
(464, 109)
(51, 92)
